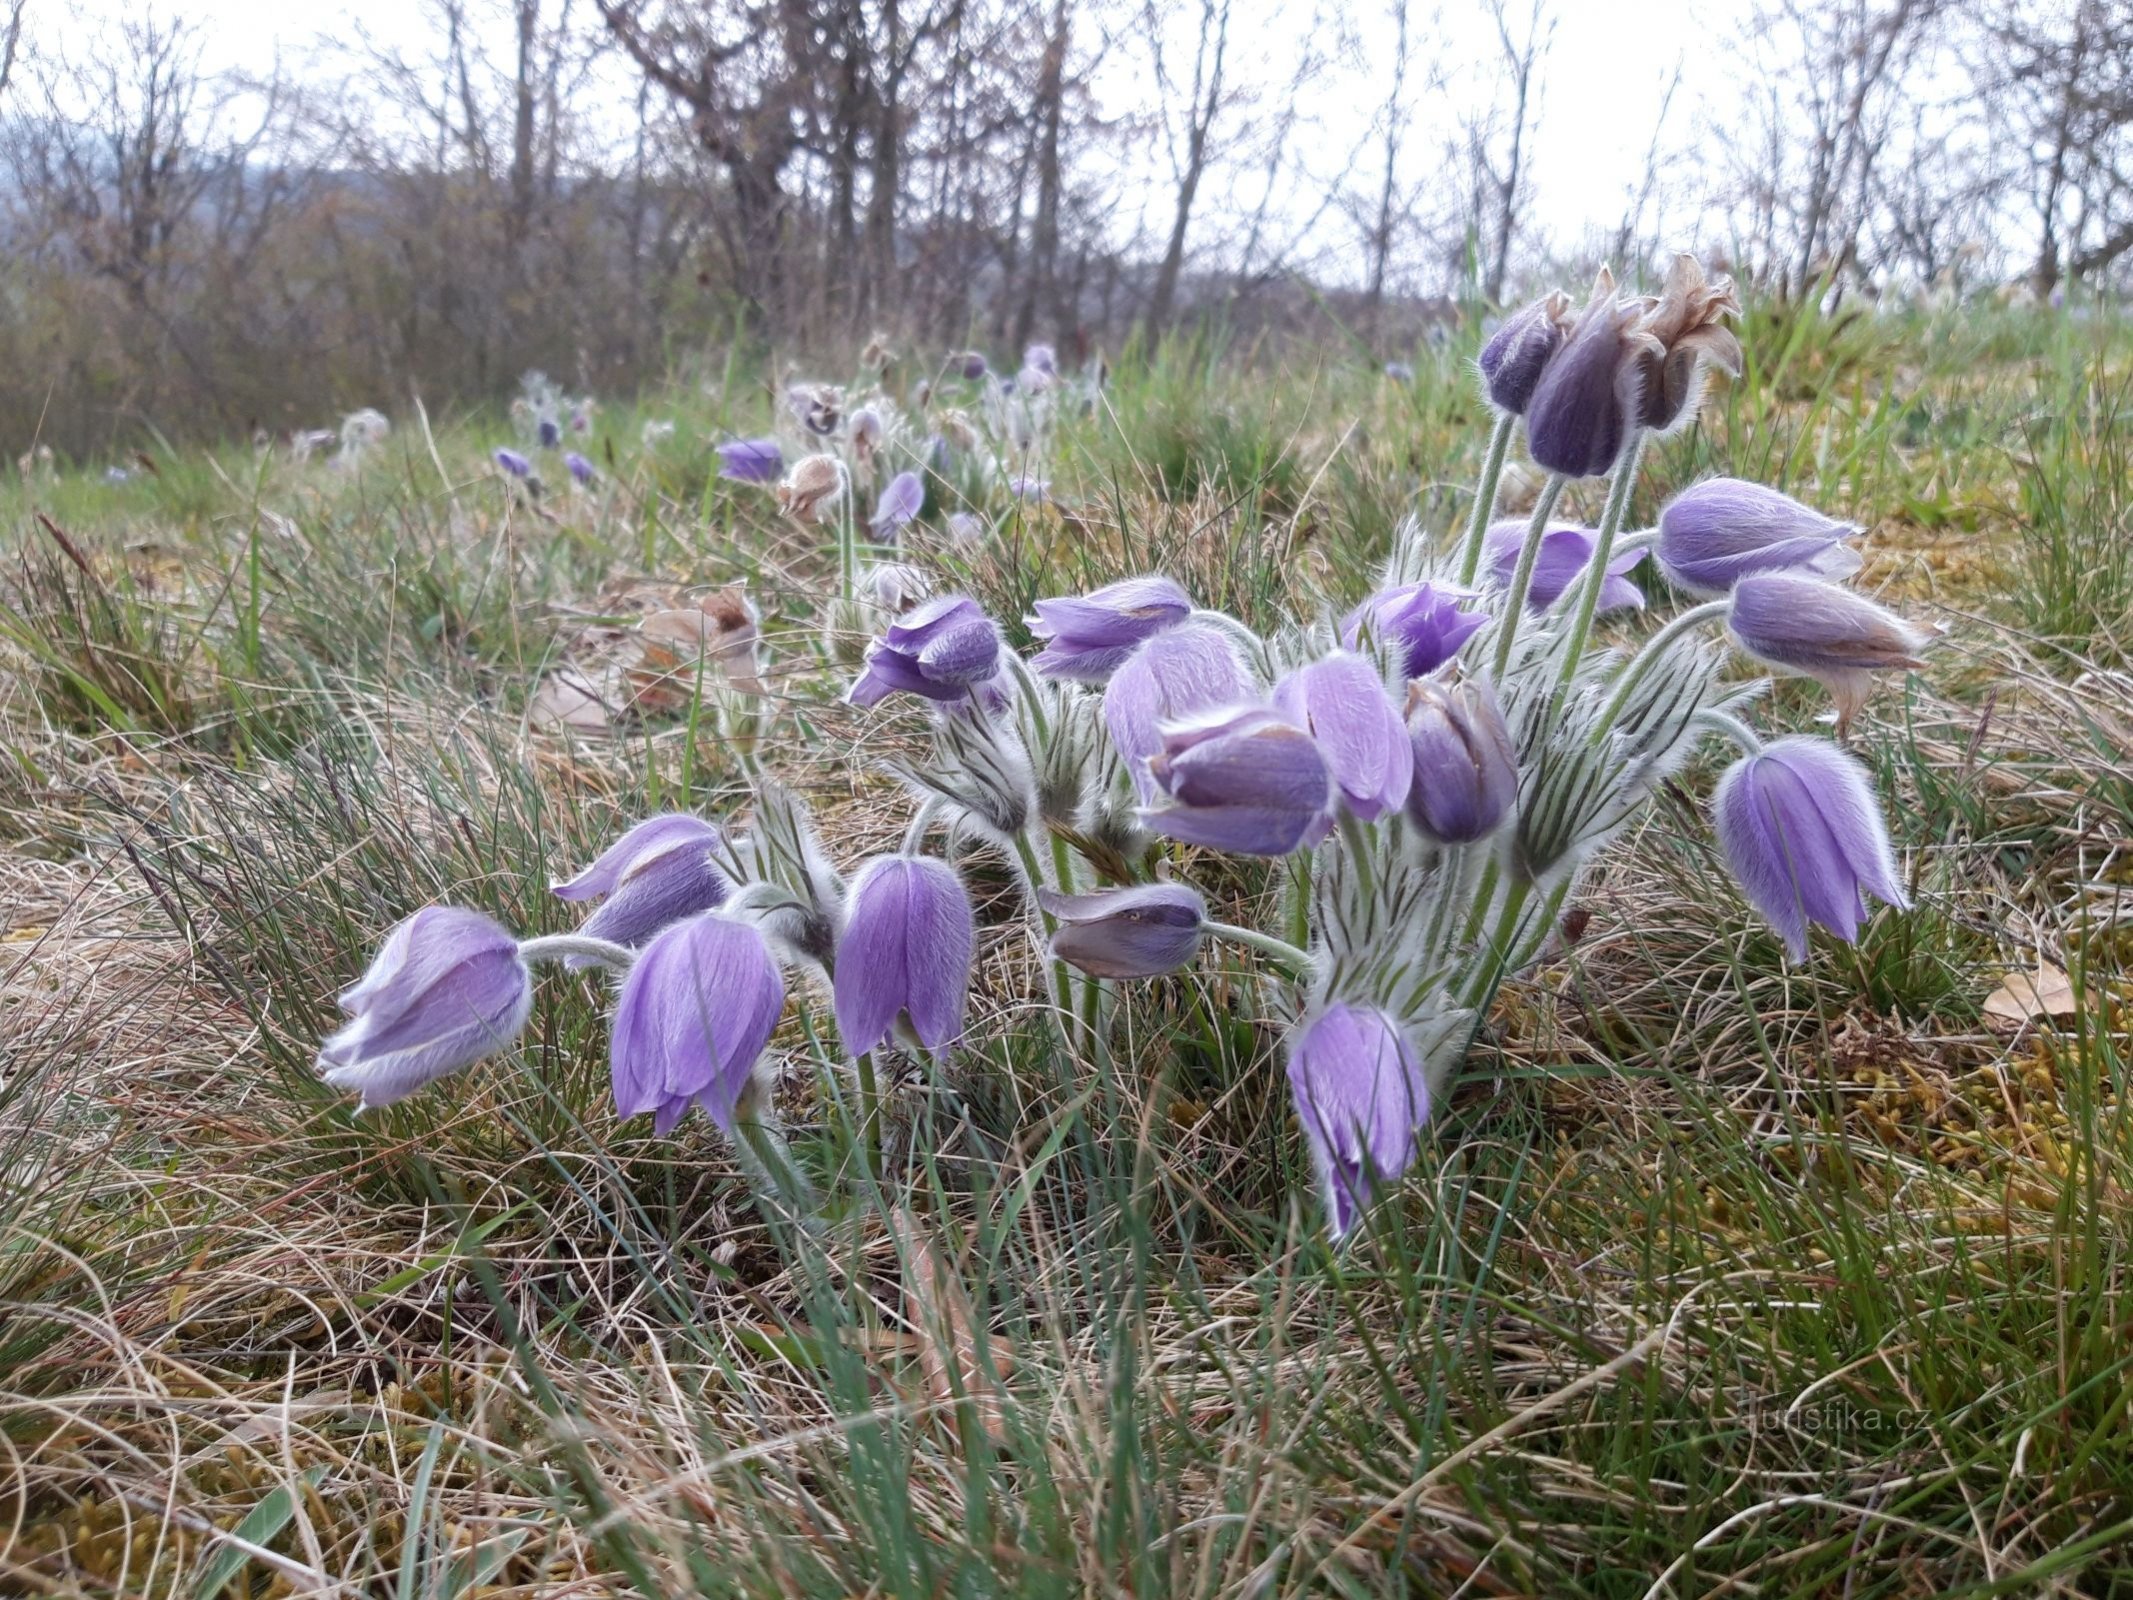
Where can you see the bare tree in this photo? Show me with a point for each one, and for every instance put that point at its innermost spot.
(1209, 98)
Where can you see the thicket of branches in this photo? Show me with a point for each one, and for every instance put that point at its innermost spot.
(596, 192)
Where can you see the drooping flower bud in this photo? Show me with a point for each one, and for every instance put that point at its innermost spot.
(514, 464)
(1817, 630)
(865, 434)
(694, 1015)
(1362, 1100)
(972, 365)
(580, 470)
(1341, 701)
(1179, 673)
(966, 528)
(1681, 333)
(1466, 771)
(447, 988)
(1713, 534)
(1421, 621)
(1802, 831)
(751, 460)
(811, 487)
(894, 587)
(1243, 779)
(1139, 932)
(550, 433)
(1088, 636)
(652, 877)
(909, 934)
(941, 649)
(1040, 358)
(1589, 394)
(1565, 552)
(899, 503)
(1515, 355)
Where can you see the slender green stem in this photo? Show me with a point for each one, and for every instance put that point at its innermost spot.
(1477, 526)
(1603, 549)
(1497, 960)
(777, 1173)
(1743, 736)
(1357, 839)
(1297, 961)
(1514, 605)
(869, 1115)
(1645, 659)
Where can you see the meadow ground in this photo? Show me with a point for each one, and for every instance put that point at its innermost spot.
(1718, 1275)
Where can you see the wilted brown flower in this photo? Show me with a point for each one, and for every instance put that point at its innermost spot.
(819, 407)
(1688, 321)
(813, 482)
(877, 354)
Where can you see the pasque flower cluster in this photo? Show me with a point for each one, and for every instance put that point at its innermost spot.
(1431, 764)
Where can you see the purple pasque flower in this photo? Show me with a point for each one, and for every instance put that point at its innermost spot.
(1362, 1100)
(1340, 700)
(513, 463)
(550, 433)
(1422, 621)
(909, 934)
(694, 1015)
(1179, 673)
(900, 501)
(1041, 358)
(1565, 552)
(653, 876)
(1817, 630)
(446, 988)
(1142, 931)
(1466, 769)
(1088, 636)
(1516, 354)
(1033, 490)
(1243, 779)
(1802, 830)
(1589, 393)
(1713, 534)
(1399, 372)
(751, 460)
(580, 469)
(971, 364)
(941, 648)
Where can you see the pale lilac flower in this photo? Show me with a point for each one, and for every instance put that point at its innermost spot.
(1422, 621)
(1041, 358)
(818, 407)
(1139, 932)
(1519, 351)
(909, 934)
(1466, 771)
(965, 528)
(1590, 392)
(447, 988)
(1820, 631)
(1034, 490)
(1243, 779)
(1713, 534)
(1399, 372)
(1362, 1100)
(1802, 831)
(942, 649)
(1088, 636)
(580, 469)
(1565, 552)
(751, 460)
(653, 876)
(899, 503)
(1341, 701)
(581, 420)
(1180, 672)
(514, 463)
(895, 586)
(694, 1015)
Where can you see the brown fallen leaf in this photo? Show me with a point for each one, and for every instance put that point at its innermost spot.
(2029, 996)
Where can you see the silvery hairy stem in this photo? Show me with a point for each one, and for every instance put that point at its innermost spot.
(562, 946)
(1522, 580)
(1642, 662)
(1618, 496)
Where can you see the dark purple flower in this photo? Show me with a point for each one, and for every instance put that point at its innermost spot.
(447, 988)
(1820, 631)
(1466, 771)
(1362, 1100)
(972, 365)
(1139, 932)
(900, 501)
(514, 463)
(751, 460)
(1516, 354)
(1420, 620)
(551, 433)
(1179, 673)
(694, 1015)
(1713, 534)
(1802, 831)
(579, 468)
(653, 876)
(1341, 701)
(1088, 636)
(1243, 779)
(908, 937)
(941, 649)
(1565, 552)
(1588, 396)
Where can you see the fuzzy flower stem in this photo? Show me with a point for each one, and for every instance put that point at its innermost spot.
(1477, 526)
(561, 946)
(1745, 737)
(1648, 657)
(1522, 580)
(869, 1114)
(915, 835)
(1281, 950)
(1358, 843)
(1603, 549)
(776, 1176)
(1253, 644)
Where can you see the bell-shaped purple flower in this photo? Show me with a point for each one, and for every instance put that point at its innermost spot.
(514, 464)
(1341, 701)
(1802, 831)
(1713, 534)
(1565, 552)
(1179, 673)
(1422, 621)
(447, 988)
(908, 938)
(942, 649)
(550, 432)
(1088, 636)
(1515, 355)
(900, 501)
(971, 364)
(694, 1015)
(580, 470)
(1139, 932)
(1244, 779)
(1466, 770)
(1362, 1100)
(751, 460)
(1588, 395)
(1819, 631)
(652, 877)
